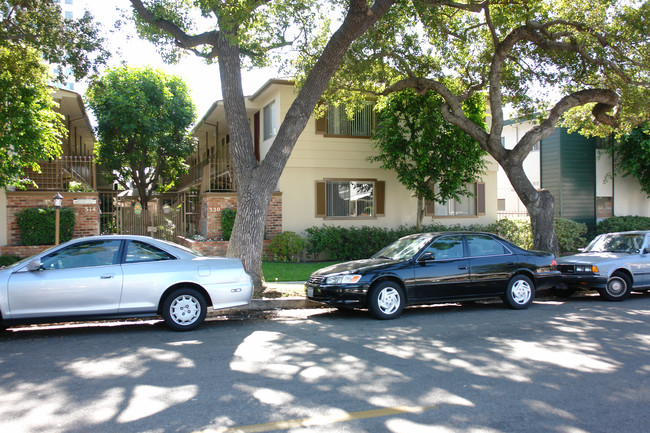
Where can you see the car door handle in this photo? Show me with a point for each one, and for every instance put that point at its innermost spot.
(106, 277)
(462, 268)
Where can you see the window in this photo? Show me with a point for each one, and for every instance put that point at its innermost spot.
(67, 15)
(349, 198)
(143, 252)
(83, 254)
(337, 122)
(270, 127)
(447, 247)
(471, 205)
(482, 245)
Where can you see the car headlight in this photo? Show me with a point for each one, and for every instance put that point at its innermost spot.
(587, 268)
(343, 279)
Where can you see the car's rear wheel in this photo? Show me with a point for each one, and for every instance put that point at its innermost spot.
(386, 301)
(519, 293)
(618, 287)
(184, 309)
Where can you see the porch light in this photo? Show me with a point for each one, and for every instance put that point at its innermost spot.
(58, 200)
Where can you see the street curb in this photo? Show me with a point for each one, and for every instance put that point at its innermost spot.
(266, 304)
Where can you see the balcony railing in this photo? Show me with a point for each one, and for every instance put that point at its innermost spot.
(213, 176)
(57, 174)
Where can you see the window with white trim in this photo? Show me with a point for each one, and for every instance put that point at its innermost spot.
(270, 125)
(344, 198)
(469, 205)
(360, 125)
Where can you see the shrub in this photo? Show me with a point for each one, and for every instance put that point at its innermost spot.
(623, 224)
(570, 235)
(227, 222)
(286, 247)
(37, 225)
(517, 231)
(8, 260)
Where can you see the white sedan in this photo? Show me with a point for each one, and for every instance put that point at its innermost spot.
(115, 276)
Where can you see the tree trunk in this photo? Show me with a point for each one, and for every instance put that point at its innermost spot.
(420, 216)
(540, 205)
(256, 182)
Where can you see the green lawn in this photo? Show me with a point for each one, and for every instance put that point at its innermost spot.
(290, 271)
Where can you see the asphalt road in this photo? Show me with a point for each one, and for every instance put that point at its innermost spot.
(571, 366)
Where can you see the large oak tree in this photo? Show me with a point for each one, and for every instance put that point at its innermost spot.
(594, 55)
(238, 31)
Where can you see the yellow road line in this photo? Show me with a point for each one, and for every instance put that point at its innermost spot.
(321, 420)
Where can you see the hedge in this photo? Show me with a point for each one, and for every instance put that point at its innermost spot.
(352, 243)
(37, 225)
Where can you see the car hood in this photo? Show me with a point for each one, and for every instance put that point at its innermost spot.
(592, 258)
(356, 266)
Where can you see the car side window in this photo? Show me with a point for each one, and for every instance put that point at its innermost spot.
(143, 252)
(447, 247)
(481, 245)
(83, 254)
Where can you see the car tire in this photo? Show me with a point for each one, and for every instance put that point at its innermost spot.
(520, 292)
(386, 301)
(618, 287)
(184, 309)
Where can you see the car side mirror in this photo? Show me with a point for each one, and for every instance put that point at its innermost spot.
(645, 251)
(426, 257)
(35, 265)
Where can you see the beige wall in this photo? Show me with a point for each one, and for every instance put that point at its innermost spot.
(298, 186)
(316, 157)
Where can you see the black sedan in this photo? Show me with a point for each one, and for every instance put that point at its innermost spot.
(435, 267)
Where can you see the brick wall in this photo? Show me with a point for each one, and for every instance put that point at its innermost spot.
(213, 203)
(84, 205)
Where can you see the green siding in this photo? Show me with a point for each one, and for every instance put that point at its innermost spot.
(568, 170)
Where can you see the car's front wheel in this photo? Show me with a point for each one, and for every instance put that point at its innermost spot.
(519, 293)
(618, 287)
(386, 301)
(184, 309)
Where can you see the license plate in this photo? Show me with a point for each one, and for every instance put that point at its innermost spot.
(310, 291)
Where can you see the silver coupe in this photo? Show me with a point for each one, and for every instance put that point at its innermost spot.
(116, 276)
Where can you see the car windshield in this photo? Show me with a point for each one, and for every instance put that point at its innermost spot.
(616, 243)
(404, 248)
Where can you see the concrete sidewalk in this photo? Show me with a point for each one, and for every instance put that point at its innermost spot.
(267, 304)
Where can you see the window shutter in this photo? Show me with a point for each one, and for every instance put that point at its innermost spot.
(429, 208)
(480, 198)
(321, 208)
(380, 193)
(321, 125)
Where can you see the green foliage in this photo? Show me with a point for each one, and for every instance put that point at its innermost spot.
(30, 128)
(517, 231)
(79, 187)
(227, 222)
(33, 32)
(623, 224)
(8, 260)
(143, 123)
(353, 243)
(424, 149)
(570, 235)
(632, 156)
(73, 44)
(286, 247)
(37, 225)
